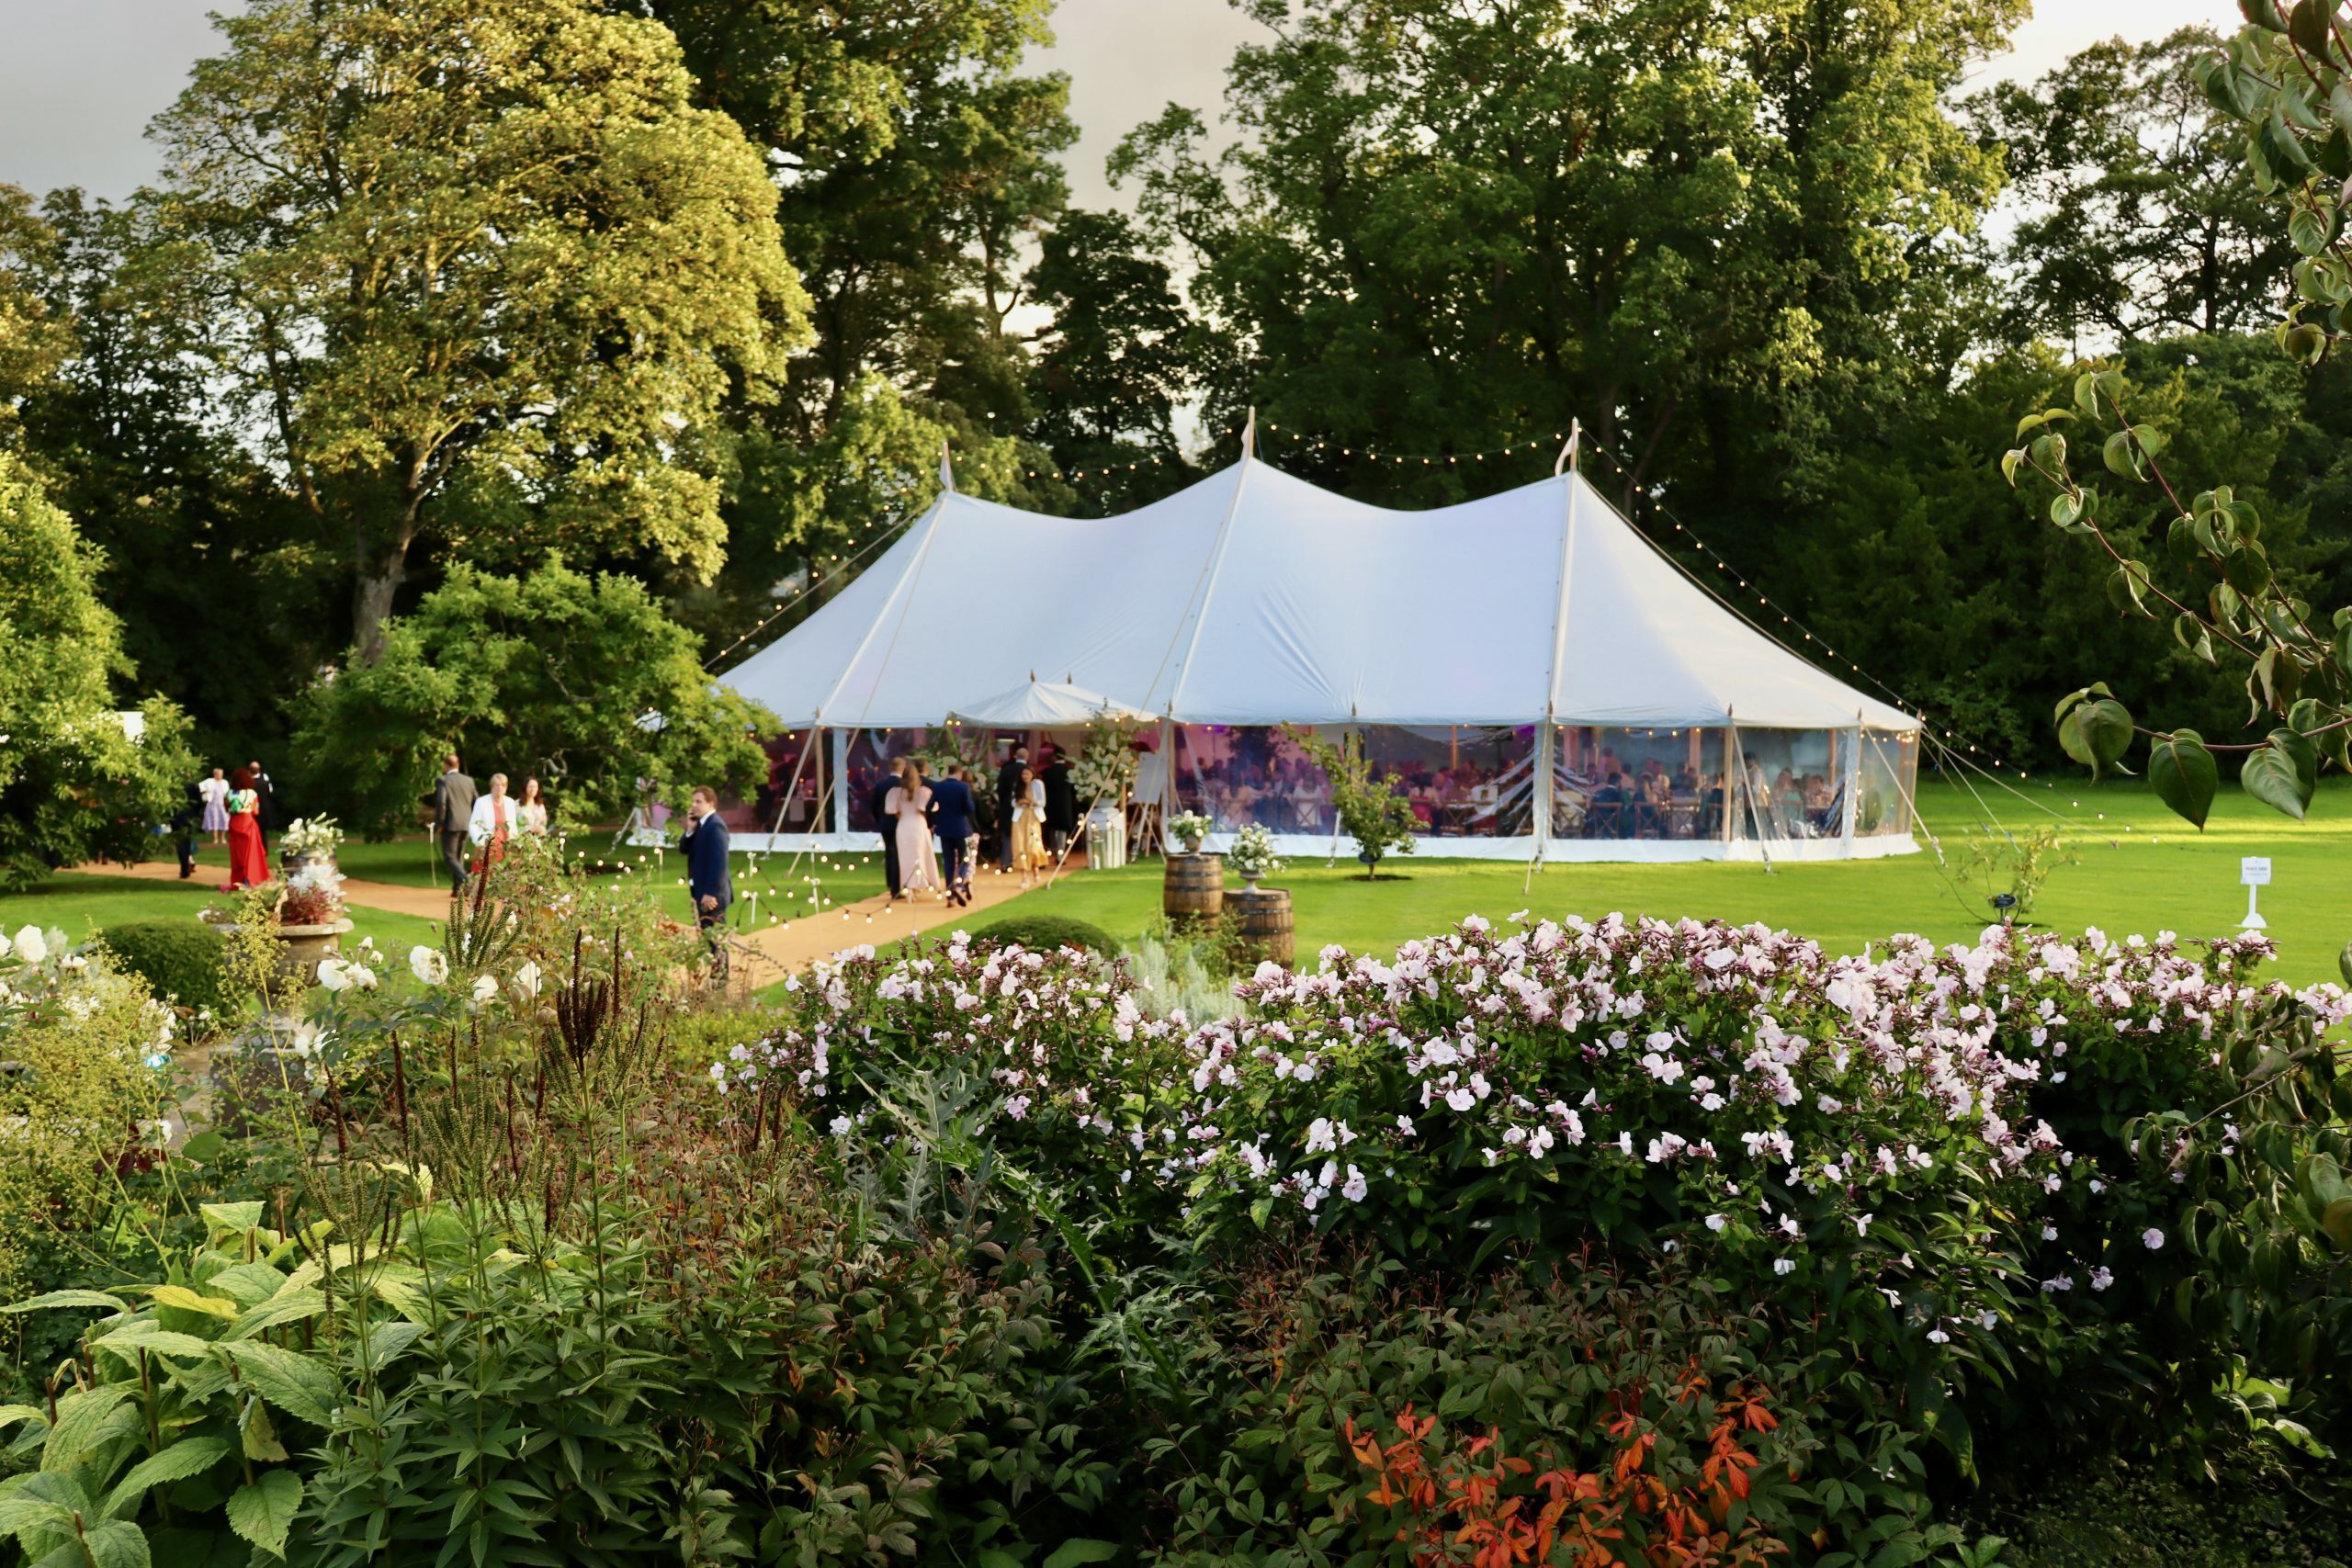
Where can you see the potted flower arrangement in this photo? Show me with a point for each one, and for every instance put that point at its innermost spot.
(1252, 854)
(309, 840)
(303, 914)
(1190, 829)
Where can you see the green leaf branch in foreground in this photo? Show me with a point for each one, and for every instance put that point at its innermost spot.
(2221, 595)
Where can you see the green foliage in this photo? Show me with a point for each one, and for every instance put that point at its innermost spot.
(33, 341)
(479, 326)
(182, 960)
(1047, 934)
(582, 680)
(73, 785)
(2013, 867)
(1375, 813)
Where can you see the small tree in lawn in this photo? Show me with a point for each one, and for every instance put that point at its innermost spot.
(2288, 76)
(1371, 811)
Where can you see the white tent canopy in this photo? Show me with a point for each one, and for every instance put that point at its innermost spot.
(1254, 598)
(1047, 704)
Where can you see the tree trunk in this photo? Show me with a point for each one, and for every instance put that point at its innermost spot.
(373, 587)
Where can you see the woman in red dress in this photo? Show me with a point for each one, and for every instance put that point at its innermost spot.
(248, 859)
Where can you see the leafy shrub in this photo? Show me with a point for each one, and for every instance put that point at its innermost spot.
(1046, 933)
(182, 960)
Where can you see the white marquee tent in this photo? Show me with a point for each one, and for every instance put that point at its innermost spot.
(1536, 621)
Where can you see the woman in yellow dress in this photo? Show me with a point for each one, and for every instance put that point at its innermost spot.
(1029, 827)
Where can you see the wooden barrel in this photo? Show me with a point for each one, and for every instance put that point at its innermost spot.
(1193, 888)
(1265, 924)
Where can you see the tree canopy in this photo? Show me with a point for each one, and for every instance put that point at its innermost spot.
(453, 256)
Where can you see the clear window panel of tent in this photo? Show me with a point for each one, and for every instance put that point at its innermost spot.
(1790, 783)
(1889, 774)
(781, 802)
(1465, 781)
(1639, 782)
(1238, 775)
(870, 757)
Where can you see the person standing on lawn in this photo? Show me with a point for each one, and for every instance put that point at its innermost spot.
(453, 818)
(215, 794)
(248, 856)
(267, 791)
(184, 823)
(954, 814)
(877, 805)
(704, 846)
(1008, 800)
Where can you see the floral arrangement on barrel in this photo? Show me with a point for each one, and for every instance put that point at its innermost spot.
(1190, 829)
(1252, 853)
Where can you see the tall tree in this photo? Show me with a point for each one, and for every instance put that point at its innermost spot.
(917, 165)
(225, 584)
(2136, 215)
(450, 246)
(75, 782)
(33, 340)
(1694, 226)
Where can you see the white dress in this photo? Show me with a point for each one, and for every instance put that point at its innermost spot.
(918, 862)
(216, 804)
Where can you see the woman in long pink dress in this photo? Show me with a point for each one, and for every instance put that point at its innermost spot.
(248, 858)
(909, 801)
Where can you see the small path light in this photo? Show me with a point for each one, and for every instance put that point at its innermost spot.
(2255, 871)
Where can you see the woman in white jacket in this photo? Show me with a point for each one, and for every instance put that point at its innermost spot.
(492, 824)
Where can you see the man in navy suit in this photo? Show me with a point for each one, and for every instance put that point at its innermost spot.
(704, 847)
(877, 805)
(954, 816)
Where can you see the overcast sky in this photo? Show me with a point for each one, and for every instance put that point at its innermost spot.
(79, 79)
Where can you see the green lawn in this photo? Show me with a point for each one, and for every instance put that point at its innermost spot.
(79, 905)
(2141, 870)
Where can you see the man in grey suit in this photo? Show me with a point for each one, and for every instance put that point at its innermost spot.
(453, 814)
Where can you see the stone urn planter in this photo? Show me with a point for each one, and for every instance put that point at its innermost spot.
(299, 948)
(289, 862)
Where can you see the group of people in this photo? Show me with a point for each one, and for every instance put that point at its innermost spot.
(465, 816)
(1650, 801)
(237, 809)
(1035, 817)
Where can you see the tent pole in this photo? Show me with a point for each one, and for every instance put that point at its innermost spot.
(1547, 740)
(1853, 778)
(840, 776)
(1754, 816)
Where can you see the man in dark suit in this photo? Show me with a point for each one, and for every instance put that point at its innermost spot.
(955, 817)
(190, 813)
(453, 815)
(1008, 795)
(877, 805)
(1062, 802)
(704, 846)
(265, 812)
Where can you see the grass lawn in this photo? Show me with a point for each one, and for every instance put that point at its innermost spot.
(2141, 870)
(78, 905)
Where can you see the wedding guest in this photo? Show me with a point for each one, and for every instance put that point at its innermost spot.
(1061, 802)
(908, 805)
(1028, 831)
(269, 794)
(453, 814)
(248, 857)
(215, 791)
(491, 824)
(708, 883)
(531, 808)
(955, 813)
(877, 805)
(184, 823)
(1008, 790)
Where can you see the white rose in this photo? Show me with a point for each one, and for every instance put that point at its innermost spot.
(526, 981)
(32, 946)
(485, 987)
(428, 964)
(4, 945)
(333, 973)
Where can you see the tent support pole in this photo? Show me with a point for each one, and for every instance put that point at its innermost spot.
(1547, 742)
(784, 804)
(1755, 816)
(840, 774)
(1852, 780)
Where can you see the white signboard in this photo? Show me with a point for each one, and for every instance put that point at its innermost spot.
(2254, 871)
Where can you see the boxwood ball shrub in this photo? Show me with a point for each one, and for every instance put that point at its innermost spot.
(1045, 933)
(182, 960)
